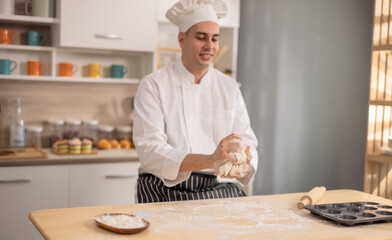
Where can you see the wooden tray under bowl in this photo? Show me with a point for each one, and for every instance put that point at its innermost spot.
(93, 151)
(20, 153)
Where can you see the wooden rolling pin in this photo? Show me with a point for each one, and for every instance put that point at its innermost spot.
(311, 197)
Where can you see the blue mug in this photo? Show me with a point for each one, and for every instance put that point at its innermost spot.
(35, 38)
(6, 66)
(118, 71)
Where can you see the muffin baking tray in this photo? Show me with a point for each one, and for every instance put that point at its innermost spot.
(351, 213)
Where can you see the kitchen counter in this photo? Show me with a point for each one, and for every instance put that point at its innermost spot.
(257, 217)
(112, 155)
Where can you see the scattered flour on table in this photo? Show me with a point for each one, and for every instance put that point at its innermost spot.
(227, 219)
(227, 216)
(144, 213)
(121, 221)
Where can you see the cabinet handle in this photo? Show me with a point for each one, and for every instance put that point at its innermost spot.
(120, 176)
(17, 180)
(110, 36)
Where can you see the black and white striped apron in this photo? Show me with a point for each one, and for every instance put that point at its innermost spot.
(199, 186)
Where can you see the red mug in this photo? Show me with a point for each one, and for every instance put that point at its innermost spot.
(36, 68)
(7, 36)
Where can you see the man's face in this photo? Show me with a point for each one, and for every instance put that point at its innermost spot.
(199, 45)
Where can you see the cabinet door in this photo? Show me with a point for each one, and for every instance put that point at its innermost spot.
(117, 24)
(24, 189)
(162, 7)
(103, 184)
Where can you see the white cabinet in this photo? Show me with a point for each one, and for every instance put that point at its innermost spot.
(24, 189)
(118, 24)
(162, 7)
(103, 184)
(105, 32)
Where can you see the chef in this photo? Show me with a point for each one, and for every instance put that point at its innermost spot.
(187, 115)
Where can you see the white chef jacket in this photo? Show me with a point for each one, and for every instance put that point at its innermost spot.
(174, 117)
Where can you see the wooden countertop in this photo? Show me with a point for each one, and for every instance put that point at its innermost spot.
(112, 155)
(257, 217)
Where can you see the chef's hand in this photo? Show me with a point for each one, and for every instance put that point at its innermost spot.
(248, 159)
(222, 152)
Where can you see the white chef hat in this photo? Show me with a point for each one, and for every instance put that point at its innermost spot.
(186, 13)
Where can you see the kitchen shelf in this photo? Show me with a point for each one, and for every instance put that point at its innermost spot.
(382, 48)
(26, 48)
(379, 157)
(28, 19)
(70, 79)
(378, 165)
(381, 102)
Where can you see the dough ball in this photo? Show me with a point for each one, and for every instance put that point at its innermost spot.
(225, 168)
(239, 168)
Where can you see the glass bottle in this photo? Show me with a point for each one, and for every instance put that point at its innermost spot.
(17, 131)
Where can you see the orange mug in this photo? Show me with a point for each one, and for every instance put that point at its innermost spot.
(36, 68)
(67, 69)
(7, 36)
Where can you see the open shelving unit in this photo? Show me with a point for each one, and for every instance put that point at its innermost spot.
(52, 55)
(378, 165)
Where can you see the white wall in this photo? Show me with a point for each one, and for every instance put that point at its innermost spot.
(304, 66)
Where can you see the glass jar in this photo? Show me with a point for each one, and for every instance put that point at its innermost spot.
(124, 133)
(105, 132)
(33, 136)
(55, 130)
(72, 128)
(89, 130)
